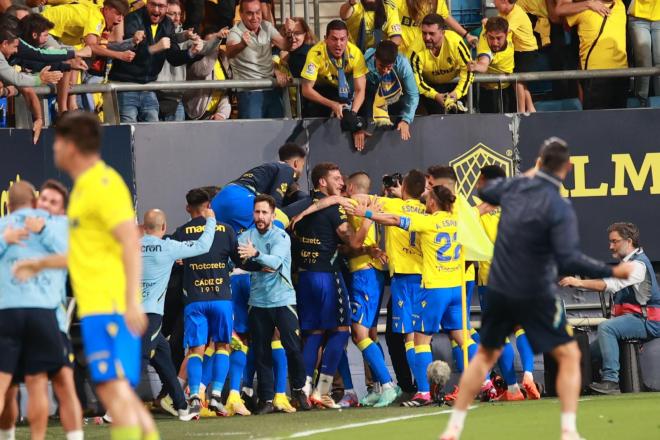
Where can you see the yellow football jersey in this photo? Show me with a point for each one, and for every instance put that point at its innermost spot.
(489, 221)
(318, 66)
(442, 264)
(451, 62)
(73, 22)
(500, 62)
(411, 31)
(646, 9)
(391, 27)
(521, 27)
(364, 261)
(100, 201)
(404, 254)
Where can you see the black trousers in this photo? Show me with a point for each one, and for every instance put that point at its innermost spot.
(605, 93)
(262, 323)
(497, 101)
(396, 347)
(156, 351)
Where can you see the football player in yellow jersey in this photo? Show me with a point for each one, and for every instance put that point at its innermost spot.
(371, 21)
(441, 275)
(104, 263)
(445, 57)
(495, 56)
(411, 14)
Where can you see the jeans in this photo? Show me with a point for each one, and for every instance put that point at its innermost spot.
(645, 36)
(610, 332)
(259, 104)
(178, 115)
(138, 107)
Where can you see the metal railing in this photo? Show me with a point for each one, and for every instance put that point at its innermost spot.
(111, 106)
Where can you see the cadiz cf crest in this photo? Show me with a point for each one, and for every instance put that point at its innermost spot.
(469, 164)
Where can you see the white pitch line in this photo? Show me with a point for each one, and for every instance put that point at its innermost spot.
(371, 422)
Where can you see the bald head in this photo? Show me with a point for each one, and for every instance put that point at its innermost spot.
(154, 222)
(359, 183)
(22, 195)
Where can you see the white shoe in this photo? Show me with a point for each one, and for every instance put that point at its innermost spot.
(451, 433)
(106, 418)
(188, 414)
(571, 435)
(167, 405)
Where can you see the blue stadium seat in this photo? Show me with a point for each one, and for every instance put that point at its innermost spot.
(467, 12)
(654, 101)
(633, 102)
(558, 105)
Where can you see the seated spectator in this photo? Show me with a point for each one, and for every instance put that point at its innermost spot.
(525, 46)
(84, 23)
(302, 39)
(445, 57)
(636, 309)
(644, 30)
(495, 56)
(249, 49)
(602, 46)
(208, 104)
(391, 88)
(411, 14)
(371, 21)
(150, 56)
(334, 80)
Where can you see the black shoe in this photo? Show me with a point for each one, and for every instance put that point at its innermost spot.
(300, 401)
(250, 402)
(605, 387)
(265, 408)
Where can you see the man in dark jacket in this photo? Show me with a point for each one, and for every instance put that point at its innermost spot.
(150, 55)
(537, 239)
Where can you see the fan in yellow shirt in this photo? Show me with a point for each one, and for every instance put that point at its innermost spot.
(371, 21)
(445, 57)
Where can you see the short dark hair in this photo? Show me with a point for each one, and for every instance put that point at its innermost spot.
(497, 24)
(7, 33)
(434, 18)
(444, 197)
(13, 9)
(291, 150)
(415, 183)
(554, 154)
(81, 128)
(120, 5)
(491, 172)
(386, 52)
(34, 24)
(335, 25)
(211, 190)
(442, 172)
(627, 231)
(197, 197)
(58, 186)
(174, 2)
(321, 170)
(240, 5)
(266, 198)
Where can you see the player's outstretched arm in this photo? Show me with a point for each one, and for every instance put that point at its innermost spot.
(127, 234)
(319, 205)
(25, 269)
(192, 248)
(370, 212)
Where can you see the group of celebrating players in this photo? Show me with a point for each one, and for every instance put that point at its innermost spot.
(274, 280)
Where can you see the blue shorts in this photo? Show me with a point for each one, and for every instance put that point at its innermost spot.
(234, 205)
(322, 300)
(431, 311)
(207, 320)
(366, 293)
(112, 351)
(405, 290)
(453, 319)
(240, 294)
(482, 290)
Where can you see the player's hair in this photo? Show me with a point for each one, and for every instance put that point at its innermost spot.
(443, 197)
(442, 172)
(7, 33)
(415, 183)
(491, 172)
(432, 19)
(240, 5)
(386, 52)
(57, 186)
(335, 25)
(266, 198)
(120, 5)
(174, 2)
(13, 10)
(554, 154)
(417, 7)
(291, 150)
(21, 194)
(83, 129)
(360, 180)
(627, 231)
(497, 24)
(211, 190)
(34, 24)
(321, 170)
(197, 197)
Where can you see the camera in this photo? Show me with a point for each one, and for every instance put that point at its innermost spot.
(392, 180)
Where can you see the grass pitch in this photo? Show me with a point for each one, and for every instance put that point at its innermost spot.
(627, 417)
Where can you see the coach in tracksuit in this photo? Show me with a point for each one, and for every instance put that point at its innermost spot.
(267, 250)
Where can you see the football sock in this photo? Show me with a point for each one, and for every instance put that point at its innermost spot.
(126, 432)
(333, 351)
(423, 358)
(457, 419)
(475, 335)
(344, 370)
(194, 373)
(8, 434)
(457, 353)
(75, 435)
(525, 351)
(325, 384)
(207, 367)
(505, 362)
(280, 366)
(410, 355)
(311, 352)
(237, 361)
(513, 389)
(250, 368)
(374, 358)
(220, 370)
(568, 422)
